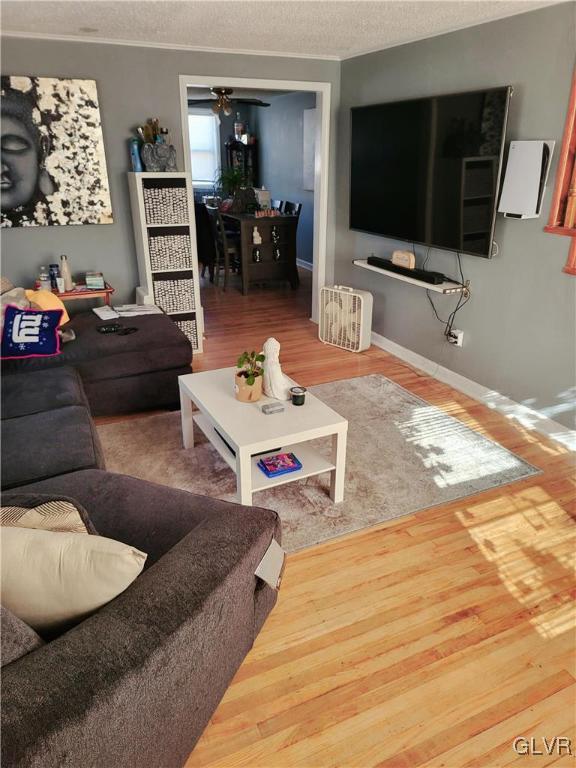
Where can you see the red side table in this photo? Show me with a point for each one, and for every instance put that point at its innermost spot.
(81, 292)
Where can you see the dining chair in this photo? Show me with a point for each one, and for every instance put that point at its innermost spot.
(229, 250)
(205, 240)
(293, 209)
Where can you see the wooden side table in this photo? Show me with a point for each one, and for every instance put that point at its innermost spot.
(81, 292)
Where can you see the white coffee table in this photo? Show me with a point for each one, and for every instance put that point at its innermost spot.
(248, 431)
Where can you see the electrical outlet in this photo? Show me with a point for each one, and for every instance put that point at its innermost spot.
(456, 337)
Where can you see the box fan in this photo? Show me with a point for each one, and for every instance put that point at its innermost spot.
(345, 317)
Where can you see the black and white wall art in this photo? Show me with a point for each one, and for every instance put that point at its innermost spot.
(53, 162)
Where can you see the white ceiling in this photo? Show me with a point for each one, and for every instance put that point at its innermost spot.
(333, 29)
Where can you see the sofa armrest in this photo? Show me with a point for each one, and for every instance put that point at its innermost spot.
(136, 683)
(145, 515)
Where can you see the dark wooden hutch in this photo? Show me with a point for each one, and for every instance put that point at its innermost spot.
(245, 158)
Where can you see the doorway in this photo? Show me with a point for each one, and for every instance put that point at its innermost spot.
(319, 126)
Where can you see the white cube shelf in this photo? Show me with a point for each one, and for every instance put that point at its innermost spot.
(165, 234)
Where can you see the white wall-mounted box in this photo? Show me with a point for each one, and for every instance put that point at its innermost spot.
(525, 179)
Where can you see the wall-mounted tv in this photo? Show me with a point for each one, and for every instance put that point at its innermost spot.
(428, 170)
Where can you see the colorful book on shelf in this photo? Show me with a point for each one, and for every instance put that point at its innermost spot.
(95, 281)
(279, 464)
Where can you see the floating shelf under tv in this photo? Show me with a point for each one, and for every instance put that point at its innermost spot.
(446, 287)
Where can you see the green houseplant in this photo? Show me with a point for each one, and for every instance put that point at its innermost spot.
(232, 184)
(249, 373)
(228, 182)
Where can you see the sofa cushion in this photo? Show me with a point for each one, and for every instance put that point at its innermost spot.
(46, 444)
(18, 638)
(52, 579)
(157, 345)
(134, 394)
(27, 393)
(44, 511)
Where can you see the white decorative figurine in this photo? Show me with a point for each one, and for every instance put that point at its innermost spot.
(256, 236)
(275, 383)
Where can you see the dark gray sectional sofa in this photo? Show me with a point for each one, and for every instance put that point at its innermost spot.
(136, 683)
(47, 429)
(121, 374)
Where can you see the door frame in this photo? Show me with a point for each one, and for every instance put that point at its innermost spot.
(323, 91)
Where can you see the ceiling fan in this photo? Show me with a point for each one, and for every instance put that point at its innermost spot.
(223, 102)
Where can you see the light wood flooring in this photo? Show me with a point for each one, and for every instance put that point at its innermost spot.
(432, 640)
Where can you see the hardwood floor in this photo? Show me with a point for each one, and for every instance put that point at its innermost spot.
(432, 640)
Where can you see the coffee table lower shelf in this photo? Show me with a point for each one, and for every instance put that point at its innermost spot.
(313, 463)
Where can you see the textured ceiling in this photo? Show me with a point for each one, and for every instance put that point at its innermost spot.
(326, 29)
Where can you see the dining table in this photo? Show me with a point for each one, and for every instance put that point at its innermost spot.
(267, 248)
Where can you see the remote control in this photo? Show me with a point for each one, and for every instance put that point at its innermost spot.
(269, 408)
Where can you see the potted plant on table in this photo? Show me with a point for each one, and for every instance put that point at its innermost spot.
(232, 185)
(228, 181)
(248, 381)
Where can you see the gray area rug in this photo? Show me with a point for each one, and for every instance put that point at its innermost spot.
(403, 455)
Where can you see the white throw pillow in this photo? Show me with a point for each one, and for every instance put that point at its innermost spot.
(50, 579)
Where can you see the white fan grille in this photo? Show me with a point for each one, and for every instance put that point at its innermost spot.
(342, 318)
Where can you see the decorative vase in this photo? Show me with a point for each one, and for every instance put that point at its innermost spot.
(135, 156)
(248, 393)
(65, 273)
(158, 158)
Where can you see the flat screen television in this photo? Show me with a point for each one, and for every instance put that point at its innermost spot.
(427, 170)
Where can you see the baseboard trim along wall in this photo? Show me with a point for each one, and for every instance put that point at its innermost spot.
(526, 417)
(305, 265)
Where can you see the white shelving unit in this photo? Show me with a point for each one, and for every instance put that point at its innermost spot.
(446, 287)
(168, 274)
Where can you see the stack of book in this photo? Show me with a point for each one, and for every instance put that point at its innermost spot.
(279, 464)
(95, 281)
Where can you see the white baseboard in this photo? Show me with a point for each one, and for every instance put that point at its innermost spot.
(305, 265)
(526, 417)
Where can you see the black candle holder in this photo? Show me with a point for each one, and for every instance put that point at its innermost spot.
(298, 395)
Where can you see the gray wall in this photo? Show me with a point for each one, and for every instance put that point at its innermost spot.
(133, 84)
(519, 327)
(280, 137)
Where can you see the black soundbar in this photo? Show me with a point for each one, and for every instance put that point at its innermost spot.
(419, 274)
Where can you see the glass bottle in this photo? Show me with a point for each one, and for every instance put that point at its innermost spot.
(54, 275)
